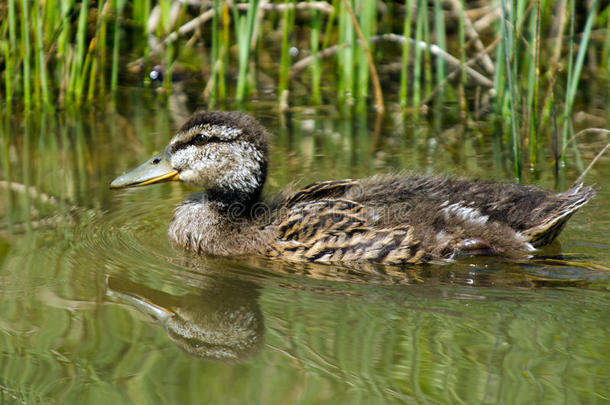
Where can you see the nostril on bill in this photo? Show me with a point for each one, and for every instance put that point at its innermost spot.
(156, 161)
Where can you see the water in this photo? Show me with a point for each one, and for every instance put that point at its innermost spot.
(98, 307)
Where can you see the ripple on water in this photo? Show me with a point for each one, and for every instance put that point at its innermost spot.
(131, 235)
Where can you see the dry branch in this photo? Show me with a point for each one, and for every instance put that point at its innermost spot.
(441, 53)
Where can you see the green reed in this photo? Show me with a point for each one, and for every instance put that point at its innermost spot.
(287, 29)
(345, 58)
(418, 60)
(244, 28)
(533, 77)
(114, 76)
(367, 17)
(67, 54)
(427, 62)
(26, 49)
(215, 60)
(316, 69)
(8, 88)
(512, 91)
(574, 73)
(41, 72)
(406, 48)
(440, 33)
(97, 52)
(605, 59)
(224, 46)
(8, 45)
(462, 47)
(78, 67)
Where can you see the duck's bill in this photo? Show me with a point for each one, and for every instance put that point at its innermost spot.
(134, 294)
(155, 170)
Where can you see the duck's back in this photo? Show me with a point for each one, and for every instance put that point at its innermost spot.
(402, 219)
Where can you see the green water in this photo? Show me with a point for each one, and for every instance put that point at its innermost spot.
(89, 279)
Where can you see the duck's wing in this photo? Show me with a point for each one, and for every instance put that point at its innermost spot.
(322, 190)
(339, 230)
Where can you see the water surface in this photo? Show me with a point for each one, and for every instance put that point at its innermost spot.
(98, 307)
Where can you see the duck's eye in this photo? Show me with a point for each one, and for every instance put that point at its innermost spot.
(200, 139)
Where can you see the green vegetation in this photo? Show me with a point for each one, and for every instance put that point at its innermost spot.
(518, 62)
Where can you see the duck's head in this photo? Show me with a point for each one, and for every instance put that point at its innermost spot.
(223, 152)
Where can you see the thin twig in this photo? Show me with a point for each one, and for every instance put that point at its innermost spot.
(156, 46)
(579, 133)
(325, 53)
(433, 49)
(583, 132)
(313, 5)
(601, 152)
(441, 53)
(487, 20)
(189, 26)
(369, 57)
(470, 62)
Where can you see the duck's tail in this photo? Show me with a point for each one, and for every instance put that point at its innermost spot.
(545, 231)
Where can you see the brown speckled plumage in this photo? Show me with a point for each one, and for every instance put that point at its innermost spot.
(390, 219)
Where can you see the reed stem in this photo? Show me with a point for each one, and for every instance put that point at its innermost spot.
(404, 71)
(511, 95)
(244, 29)
(25, 44)
(574, 75)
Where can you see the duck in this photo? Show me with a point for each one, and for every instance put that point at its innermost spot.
(391, 219)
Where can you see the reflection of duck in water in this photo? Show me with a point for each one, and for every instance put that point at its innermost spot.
(386, 219)
(224, 322)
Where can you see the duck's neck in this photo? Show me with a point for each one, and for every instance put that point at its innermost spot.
(246, 192)
(215, 222)
(232, 202)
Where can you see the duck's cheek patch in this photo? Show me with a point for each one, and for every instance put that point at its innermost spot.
(186, 158)
(242, 167)
(193, 178)
(241, 178)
